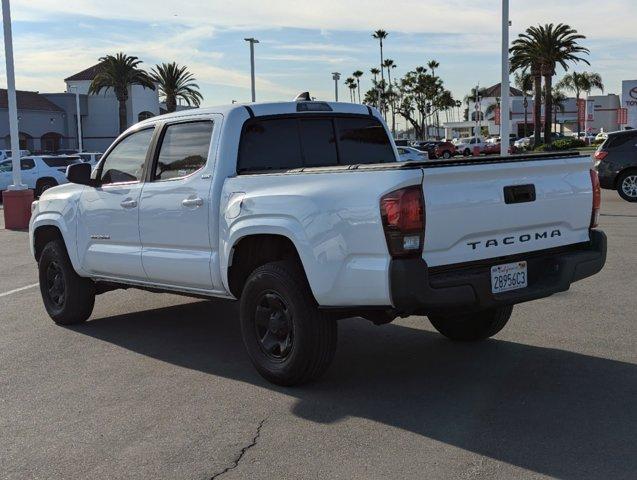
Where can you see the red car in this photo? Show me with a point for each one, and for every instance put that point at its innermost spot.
(493, 148)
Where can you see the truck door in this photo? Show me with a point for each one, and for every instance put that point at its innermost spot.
(175, 208)
(108, 227)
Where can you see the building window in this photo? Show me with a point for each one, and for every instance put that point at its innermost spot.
(50, 142)
(144, 116)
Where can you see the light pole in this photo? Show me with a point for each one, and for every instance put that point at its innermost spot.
(17, 198)
(79, 119)
(13, 106)
(336, 76)
(252, 41)
(505, 121)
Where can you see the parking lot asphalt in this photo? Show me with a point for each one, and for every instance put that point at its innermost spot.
(158, 386)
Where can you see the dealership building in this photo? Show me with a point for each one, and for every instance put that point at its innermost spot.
(602, 114)
(48, 121)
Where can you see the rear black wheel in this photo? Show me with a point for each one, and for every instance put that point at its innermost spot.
(468, 327)
(43, 185)
(68, 298)
(627, 186)
(288, 339)
(446, 154)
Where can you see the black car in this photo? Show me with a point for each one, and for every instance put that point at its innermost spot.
(616, 163)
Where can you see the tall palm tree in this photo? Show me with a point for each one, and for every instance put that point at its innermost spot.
(579, 83)
(374, 71)
(349, 81)
(389, 65)
(119, 72)
(381, 35)
(433, 65)
(547, 46)
(175, 82)
(524, 82)
(357, 75)
(559, 101)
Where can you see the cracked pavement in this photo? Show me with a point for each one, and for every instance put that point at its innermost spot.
(158, 386)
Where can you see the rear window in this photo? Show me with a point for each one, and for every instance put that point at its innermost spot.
(296, 142)
(60, 162)
(620, 139)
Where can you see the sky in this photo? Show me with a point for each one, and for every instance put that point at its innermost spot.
(303, 42)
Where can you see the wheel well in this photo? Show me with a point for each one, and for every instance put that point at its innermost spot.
(44, 235)
(625, 170)
(46, 179)
(249, 253)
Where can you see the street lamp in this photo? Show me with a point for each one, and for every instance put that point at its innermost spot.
(505, 120)
(79, 118)
(336, 76)
(17, 198)
(252, 41)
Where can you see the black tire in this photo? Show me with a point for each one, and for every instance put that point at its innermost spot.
(288, 339)
(446, 154)
(627, 185)
(466, 152)
(43, 185)
(68, 298)
(470, 327)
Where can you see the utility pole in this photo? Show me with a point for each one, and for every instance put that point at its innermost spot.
(505, 122)
(336, 76)
(252, 42)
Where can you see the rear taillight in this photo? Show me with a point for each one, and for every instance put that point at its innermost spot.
(403, 215)
(600, 155)
(597, 198)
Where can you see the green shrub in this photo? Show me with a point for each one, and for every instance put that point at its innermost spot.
(561, 144)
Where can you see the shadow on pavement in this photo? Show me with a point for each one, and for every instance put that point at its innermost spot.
(551, 411)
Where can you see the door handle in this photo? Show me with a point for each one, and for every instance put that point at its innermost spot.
(192, 202)
(129, 203)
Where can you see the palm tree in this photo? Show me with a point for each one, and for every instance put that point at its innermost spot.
(349, 82)
(175, 82)
(119, 72)
(524, 81)
(559, 100)
(432, 64)
(579, 83)
(357, 75)
(546, 46)
(389, 65)
(381, 35)
(374, 71)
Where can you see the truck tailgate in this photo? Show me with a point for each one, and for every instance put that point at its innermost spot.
(472, 214)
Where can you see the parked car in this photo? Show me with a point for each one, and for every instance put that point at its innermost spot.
(601, 136)
(529, 142)
(492, 147)
(4, 154)
(90, 157)
(39, 173)
(465, 146)
(616, 163)
(302, 212)
(440, 149)
(410, 154)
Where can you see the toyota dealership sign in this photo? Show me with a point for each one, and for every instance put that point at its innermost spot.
(629, 101)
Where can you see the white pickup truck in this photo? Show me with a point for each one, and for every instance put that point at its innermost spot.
(302, 212)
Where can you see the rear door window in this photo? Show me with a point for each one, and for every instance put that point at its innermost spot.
(57, 162)
(621, 140)
(184, 150)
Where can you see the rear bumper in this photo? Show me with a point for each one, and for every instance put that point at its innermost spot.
(415, 288)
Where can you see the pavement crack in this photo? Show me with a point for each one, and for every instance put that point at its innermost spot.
(242, 452)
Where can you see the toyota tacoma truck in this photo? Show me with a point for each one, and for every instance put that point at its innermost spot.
(302, 213)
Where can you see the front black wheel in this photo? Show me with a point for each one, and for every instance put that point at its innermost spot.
(68, 298)
(627, 186)
(288, 339)
(468, 327)
(466, 152)
(446, 155)
(43, 185)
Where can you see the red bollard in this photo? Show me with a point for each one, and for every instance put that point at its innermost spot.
(17, 208)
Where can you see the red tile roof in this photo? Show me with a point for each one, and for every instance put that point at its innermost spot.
(29, 101)
(496, 91)
(88, 74)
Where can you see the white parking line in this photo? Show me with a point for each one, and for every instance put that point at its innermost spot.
(18, 290)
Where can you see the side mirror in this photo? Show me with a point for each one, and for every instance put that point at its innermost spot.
(80, 173)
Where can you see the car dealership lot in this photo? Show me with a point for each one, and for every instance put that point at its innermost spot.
(159, 386)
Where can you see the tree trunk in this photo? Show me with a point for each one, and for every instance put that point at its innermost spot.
(526, 119)
(171, 103)
(122, 116)
(537, 108)
(548, 108)
(381, 101)
(358, 84)
(579, 125)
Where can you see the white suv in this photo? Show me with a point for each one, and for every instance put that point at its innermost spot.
(466, 145)
(39, 173)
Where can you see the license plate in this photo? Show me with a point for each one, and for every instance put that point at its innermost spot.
(510, 276)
